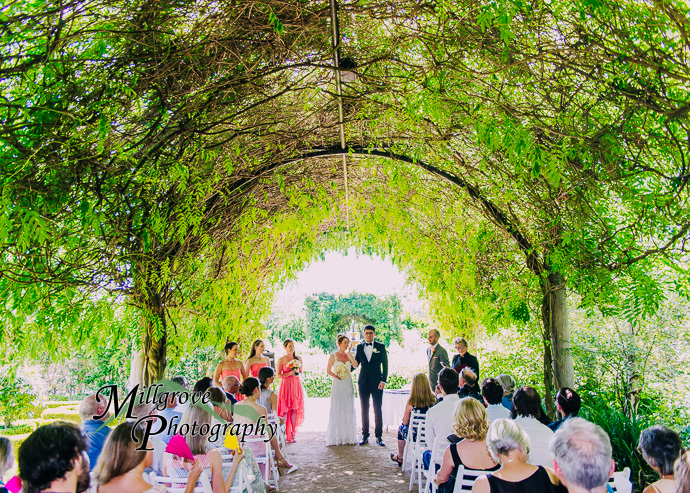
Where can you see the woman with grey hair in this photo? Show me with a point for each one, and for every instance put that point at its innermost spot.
(508, 384)
(660, 447)
(509, 445)
(464, 359)
(6, 459)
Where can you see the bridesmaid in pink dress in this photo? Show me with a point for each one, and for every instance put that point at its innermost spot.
(291, 394)
(256, 360)
(230, 366)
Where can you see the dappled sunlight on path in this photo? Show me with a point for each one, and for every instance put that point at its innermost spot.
(346, 468)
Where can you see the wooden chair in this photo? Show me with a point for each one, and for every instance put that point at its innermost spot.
(465, 478)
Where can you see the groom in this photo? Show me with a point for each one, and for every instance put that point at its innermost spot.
(373, 360)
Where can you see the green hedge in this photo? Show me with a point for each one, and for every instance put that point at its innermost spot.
(318, 384)
(73, 418)
(17, 430)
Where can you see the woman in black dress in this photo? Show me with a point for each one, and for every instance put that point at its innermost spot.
(509, 445)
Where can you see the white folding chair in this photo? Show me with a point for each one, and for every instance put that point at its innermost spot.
(415, 419)
(178, 485)
(270, 470)
(418, 447)
(465, 479)
(158, 453)
(620, 481)
(244, 477)
(280, 431)
(426, 476)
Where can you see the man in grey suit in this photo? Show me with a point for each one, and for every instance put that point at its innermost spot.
(437, 356)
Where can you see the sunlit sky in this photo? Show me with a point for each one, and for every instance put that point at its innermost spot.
(343, 274)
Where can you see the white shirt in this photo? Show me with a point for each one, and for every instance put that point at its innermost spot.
(368, 350)
(497, 411)
(540, 437)
(440, 419)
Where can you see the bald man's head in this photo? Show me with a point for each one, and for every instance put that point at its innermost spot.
(94, 405)
(231, 384)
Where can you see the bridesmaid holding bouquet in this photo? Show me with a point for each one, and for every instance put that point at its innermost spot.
(291, 395)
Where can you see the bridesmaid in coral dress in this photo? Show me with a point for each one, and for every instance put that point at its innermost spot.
(256, 360)
(291, 394)
(230, 367)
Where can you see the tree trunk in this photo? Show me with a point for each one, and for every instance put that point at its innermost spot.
(632, 375)
(554, 313)
(155, 340)
(548, 378)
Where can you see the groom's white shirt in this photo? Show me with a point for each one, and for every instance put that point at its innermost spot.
(368, 350)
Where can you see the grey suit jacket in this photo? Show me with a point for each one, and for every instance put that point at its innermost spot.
(437, 361)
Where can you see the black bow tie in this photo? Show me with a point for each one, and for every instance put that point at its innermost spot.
(368, 343)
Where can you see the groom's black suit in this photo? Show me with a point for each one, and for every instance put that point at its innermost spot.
(372, 373)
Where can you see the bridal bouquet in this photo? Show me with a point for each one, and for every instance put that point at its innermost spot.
(341, 370)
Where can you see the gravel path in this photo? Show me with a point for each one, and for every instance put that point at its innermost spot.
(346, 468)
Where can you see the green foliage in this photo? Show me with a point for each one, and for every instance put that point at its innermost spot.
(316, 384)
(17, 430)
(329, 315)
(396, 381)
(199, 363)
(70, 417)
(279, 330)
(17, 398)
(624, 433)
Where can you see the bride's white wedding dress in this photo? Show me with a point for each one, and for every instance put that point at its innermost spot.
(342, 424)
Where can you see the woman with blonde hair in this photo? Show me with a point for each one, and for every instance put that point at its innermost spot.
(120, 465)
(471, 425)
(421, 399)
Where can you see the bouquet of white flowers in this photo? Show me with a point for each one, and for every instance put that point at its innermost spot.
(294, 364)
(341, 370)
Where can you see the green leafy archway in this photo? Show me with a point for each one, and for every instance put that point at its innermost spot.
(145, 149)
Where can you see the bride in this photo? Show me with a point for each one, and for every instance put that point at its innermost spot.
(342, 425)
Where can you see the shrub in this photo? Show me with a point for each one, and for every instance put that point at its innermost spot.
(396, 381)
(17, 430)
(624, 433)
(316, 384)
(17, 399)
(73, 418)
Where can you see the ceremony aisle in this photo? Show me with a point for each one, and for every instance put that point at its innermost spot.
(346, 468)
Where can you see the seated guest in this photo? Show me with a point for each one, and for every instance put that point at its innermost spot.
(6, 459)
(268, 399)
(53, 458)
(251, 389)
(682, 473)
(120, 466)
(231, 386)
(567, 406)
(171, 416)
(95, 430)
(207, 455)
(421, 399)
(471, 425)
(508, 384)
(526, 411)
(492, 392)
(468, 385)
(660, 447)
(141, 410)
(219, 400)
(582, 456)
(181, 381)
(439, 419)
(464, 359)
(509, 445)
(203, 384)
